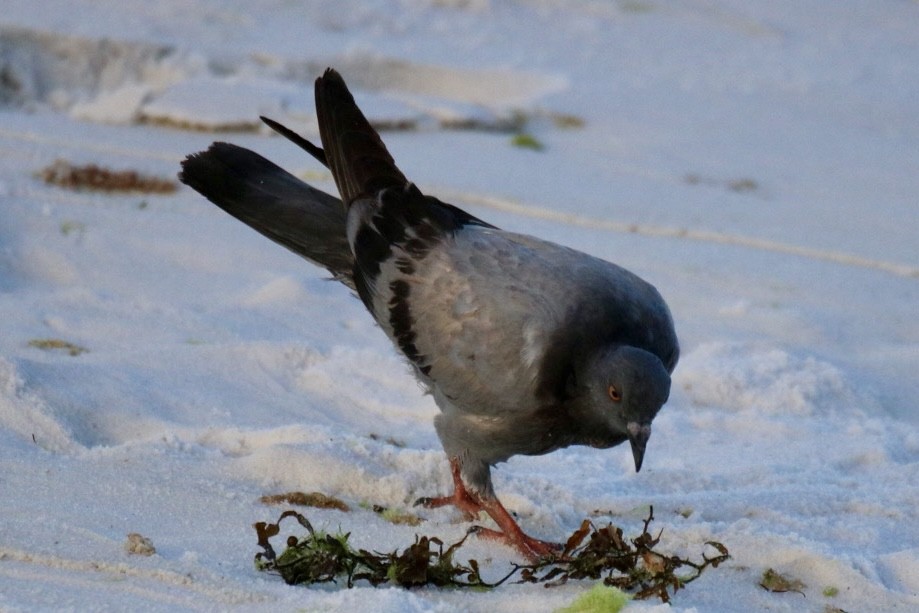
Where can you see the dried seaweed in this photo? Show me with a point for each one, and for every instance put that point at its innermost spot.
(93, 177)
(56, 344)
(632, 565)
(320, 558)
(312, 499)
(139, 545)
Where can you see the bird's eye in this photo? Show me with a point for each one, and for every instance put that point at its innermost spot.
(614, 394)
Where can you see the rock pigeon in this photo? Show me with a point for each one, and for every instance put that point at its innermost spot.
(526, 346)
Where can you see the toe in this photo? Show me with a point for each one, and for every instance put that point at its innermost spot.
(534, 550)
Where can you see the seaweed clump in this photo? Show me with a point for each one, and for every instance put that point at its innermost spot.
(93, 177)
(632, 565)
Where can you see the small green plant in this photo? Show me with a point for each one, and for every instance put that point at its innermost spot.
(774, 581)
(598, 599)
(394, 516)
(526, 141)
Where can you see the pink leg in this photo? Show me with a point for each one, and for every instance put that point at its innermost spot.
(510, 534)
(532, 549)
(460, 498)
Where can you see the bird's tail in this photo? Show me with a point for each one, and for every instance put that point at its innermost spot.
(262, 195)
(354, 151)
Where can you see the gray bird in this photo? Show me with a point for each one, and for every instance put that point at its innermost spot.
(525, 345)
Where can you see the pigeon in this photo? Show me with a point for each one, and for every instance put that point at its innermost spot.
(526, 346)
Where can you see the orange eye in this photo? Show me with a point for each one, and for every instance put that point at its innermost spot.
(614, 394)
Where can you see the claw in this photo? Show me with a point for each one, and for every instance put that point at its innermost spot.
(461, 498)
(533, 549)
(471, 503)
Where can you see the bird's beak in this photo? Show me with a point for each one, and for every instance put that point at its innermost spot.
(638, 437)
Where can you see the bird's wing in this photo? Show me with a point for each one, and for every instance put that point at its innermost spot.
(390, 223)
(353, 151)
(498, 320)
(491, 320)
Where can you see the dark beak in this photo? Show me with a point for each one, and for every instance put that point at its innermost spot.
(638, 438)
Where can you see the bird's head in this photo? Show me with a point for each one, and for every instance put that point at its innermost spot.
(624, 387)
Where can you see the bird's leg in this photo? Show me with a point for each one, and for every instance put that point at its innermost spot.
(510, 534)
(471, 503)
(460, 498)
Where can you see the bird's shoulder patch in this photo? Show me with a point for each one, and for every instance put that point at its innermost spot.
(398, 227)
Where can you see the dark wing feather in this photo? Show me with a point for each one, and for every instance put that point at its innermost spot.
(357, 157)
(295, 138)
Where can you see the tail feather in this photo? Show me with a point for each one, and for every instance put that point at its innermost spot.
(353, 150)
(262, 195)
(295, 138)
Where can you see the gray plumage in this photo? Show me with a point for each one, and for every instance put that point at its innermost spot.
(526, 346)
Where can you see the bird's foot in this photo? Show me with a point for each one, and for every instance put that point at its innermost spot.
(460, 498)
(533, 549)
(472, 503)
(469, 507)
